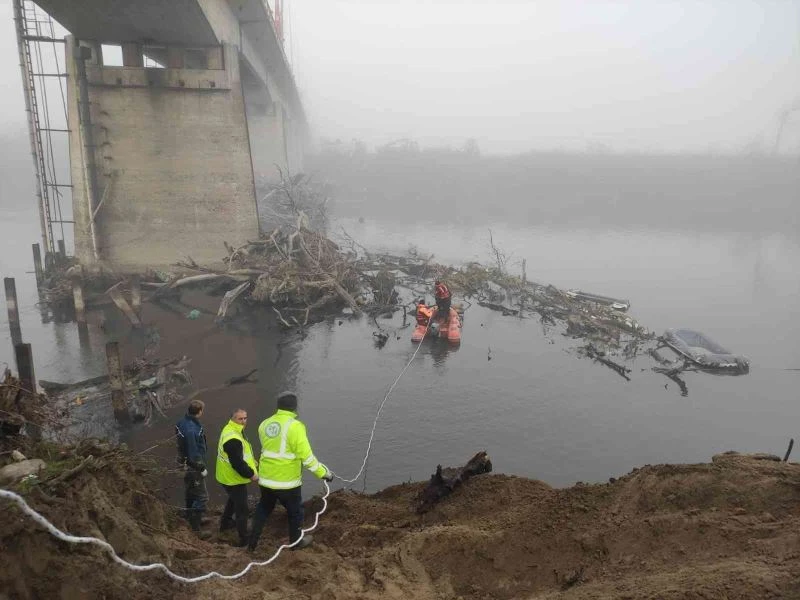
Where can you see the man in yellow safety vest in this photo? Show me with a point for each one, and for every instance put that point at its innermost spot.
(285, 450)
(236, 467)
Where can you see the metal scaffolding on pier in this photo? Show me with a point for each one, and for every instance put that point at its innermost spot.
(42, 60)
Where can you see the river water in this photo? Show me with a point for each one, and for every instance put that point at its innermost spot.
(537, 408)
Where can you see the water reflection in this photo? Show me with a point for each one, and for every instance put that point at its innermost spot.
(277, 356)
(84, 340)
(440, 350)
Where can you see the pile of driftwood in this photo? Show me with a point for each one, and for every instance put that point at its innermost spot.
(20, 407)
(151, 387)
(157, 386)
(494, 288)
(281, 202)
(299, 272)
(56, 288)
(306, 276)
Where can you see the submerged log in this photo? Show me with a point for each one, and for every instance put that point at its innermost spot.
(600, 357)
(444, 481)
(507, 312)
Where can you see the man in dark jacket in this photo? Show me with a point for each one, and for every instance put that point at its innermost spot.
(192, 449)
(236, 467)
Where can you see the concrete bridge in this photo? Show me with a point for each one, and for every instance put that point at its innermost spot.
(167, 148)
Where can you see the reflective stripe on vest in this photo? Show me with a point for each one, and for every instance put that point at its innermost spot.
(280, 485)
(311, 463)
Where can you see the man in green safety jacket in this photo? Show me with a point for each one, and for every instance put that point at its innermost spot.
(236, 467)
(285, 450)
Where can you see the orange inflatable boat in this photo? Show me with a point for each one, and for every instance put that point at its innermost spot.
(427, 319)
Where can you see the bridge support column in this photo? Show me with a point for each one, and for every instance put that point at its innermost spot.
(174, 176)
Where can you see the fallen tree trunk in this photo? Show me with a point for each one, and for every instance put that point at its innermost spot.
(241, 276)
(599, 356)
(507, 312)
(229, 298)
(123, 305)
(444, 481)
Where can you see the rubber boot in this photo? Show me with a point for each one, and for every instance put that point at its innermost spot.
(307, 540)
(259, 520)
(194, 520)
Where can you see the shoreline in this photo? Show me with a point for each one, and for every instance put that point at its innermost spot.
(670, 530)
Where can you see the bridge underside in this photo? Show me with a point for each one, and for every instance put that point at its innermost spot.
(181, 22)
(166, 160)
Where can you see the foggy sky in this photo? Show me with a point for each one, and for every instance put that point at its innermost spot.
(641, 75)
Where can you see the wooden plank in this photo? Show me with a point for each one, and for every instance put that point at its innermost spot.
(116, 379)
(13, 310)
(118, 299)
(37, 263)
(27, 377)
(77, 297)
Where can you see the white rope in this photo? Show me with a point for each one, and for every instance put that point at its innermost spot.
(380, 408)
(74, 539)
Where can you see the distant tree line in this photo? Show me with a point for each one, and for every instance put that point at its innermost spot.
(403, 182)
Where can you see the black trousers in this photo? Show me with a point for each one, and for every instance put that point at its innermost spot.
(292, 501)
(236, 509)
(443, 304)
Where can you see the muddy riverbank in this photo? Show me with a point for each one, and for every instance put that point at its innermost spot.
(724, 529)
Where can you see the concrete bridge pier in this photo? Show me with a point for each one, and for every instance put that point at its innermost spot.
(171, 159)
(166, 149)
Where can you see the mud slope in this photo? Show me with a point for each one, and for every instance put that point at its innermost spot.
(728, 529)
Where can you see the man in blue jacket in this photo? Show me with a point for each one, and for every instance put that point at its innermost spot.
(192, 447)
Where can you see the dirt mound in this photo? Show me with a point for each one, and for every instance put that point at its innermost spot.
(728, 529)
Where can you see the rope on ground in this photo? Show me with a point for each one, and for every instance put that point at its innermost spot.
(164, 442)
(74, 539)
(380, 408)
